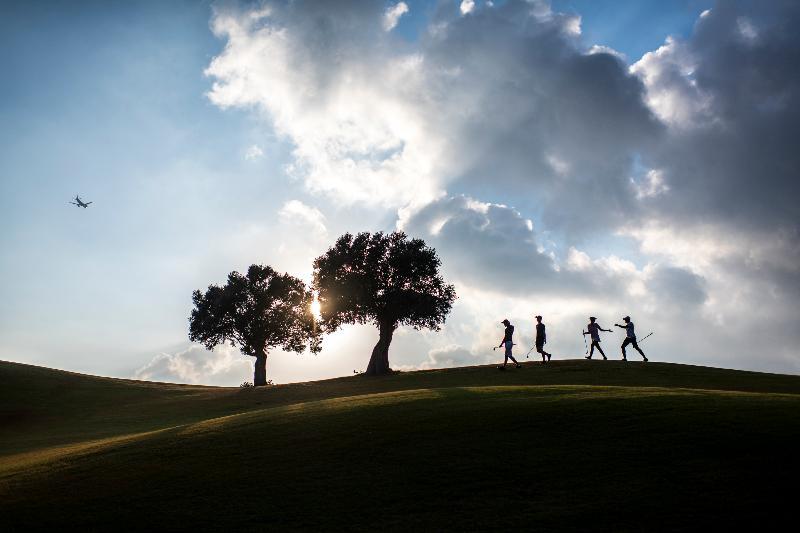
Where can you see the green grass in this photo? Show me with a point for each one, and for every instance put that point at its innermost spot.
(574, 446)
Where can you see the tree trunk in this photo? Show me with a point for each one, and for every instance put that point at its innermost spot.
(260, 374)
(379, 362)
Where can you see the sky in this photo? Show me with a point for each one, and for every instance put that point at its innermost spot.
(564, 158)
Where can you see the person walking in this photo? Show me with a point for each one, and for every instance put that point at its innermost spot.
(508, 343)
(630, 338)
(593, 330)
(541, 339)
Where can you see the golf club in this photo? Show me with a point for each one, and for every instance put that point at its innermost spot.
(643, 338)
(586, 346)
(529, 352)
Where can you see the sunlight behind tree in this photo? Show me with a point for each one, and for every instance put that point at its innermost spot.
(316, 308)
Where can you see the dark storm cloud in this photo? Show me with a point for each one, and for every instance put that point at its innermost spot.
(547, 125)
(493, 247)
(677, 287)
(730, 95)
(737, 162)
(486, 245)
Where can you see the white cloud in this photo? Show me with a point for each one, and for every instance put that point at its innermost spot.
(746, 29)
(746, 276)
(703, 246)
(392, 15)
(296, 212)
(510, 102)
(253, 152)
(195, 365)
(672, 93)
(573, 25)
(356, 136)
(466, 6)
(386, 126)
(602, 49)
(453, 355)
(559, 165)
(652, 185)
(493, 247)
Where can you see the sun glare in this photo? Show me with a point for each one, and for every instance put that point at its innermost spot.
(316, 309)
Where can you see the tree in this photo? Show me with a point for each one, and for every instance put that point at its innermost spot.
(257, 312)
(384, 279)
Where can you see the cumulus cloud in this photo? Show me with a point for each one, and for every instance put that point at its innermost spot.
(730, 101)
(195, 365)
(452, 355)
(494, 248)
(253, 152)
(747, 30)
(506, 96)
(672, 90)
(392, 15)
(732, 104)
(652, 185)
(500, 95)
(297, 213)
(602, 49)
(485, 244)
(682, 165)
(329, 82)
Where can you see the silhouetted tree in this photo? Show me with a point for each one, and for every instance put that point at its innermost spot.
(259, 311)
(384, 279)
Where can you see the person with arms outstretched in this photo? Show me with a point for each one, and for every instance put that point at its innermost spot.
(630, 338)
(593, 330)
(541, 339)
(508, 344)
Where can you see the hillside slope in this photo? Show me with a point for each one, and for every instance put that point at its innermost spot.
(575, 445)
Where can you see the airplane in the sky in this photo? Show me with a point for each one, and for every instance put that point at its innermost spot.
(79, 203)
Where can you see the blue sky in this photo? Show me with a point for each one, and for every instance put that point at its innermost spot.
(631, 26)
(109, 100)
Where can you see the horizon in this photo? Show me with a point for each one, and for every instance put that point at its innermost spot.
(564, 159)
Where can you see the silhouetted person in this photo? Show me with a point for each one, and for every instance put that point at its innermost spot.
(508, 343)
(630, 338)
(541, 339)
(593, 330)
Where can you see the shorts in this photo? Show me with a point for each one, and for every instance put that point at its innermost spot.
(509, 345)
(630, 340)
(539, 344)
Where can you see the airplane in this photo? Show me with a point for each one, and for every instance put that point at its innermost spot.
(79, 203)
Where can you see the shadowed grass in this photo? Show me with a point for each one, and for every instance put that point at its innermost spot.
(471, 448)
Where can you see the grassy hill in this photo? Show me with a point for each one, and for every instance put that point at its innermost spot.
(573, 446)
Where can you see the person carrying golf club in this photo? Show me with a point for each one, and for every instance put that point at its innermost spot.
(508, 343)
(630, 338)
(593, 330)
(541, 339)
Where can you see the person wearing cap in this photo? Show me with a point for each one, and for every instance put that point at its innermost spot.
(630, 338)
(508, 343)
(541, 339)
(593, 330)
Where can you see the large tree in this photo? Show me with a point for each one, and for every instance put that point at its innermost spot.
(384, 279)
(257, 312)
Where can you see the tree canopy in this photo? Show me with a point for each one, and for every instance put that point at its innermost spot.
(256, 312)
(387, 280)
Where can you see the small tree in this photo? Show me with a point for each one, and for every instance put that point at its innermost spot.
(383, 279)
(259, 311)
